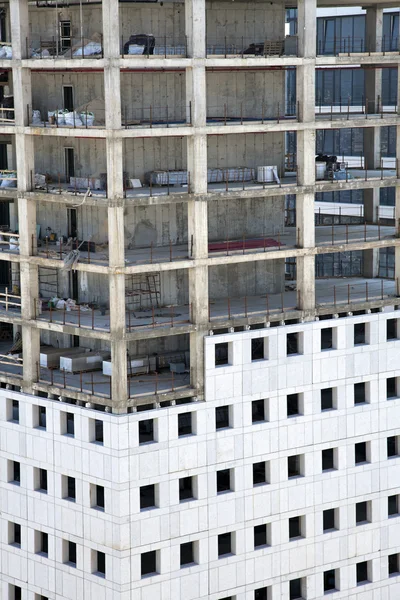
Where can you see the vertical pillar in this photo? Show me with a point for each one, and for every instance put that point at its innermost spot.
(24, 150)
(373, 87)
(195, 14)
(305, 82)
(115, 194)
(397, 199)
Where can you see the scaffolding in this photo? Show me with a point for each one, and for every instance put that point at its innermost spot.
(143, 291)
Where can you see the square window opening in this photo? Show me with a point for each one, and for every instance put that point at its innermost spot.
(146, 431)
(224, 481)
(225, 546)
(147, 496)
(328, 459)
(327, 342)
(222, 417)
(258, 413)
(185, 424)
(258, 349)
(186, 489)
(327, 400)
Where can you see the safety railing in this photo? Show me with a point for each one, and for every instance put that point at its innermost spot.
(86, 316)
(50, 183)
(348, 45)
(156, 116)
(246, 112)
(10, 302)
(8, 179)
(92, 383)
(11, 365)
(351, 292)
(147, 46)
(156, 317)
(63, 249)
(250, 46)
(49, 46)
(157, 383)
(9, 241)
(7, 115)
(347, 107)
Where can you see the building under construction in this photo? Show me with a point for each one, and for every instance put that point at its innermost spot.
(199, 273)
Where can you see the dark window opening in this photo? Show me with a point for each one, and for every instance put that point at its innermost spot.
(101, 563)
(185, 424)
(257, 349)
(292, 343)
(391, 329)
(68, 97)
(185, 488)
(360, 451)
(221, 354)
(392, 446)
(393, 564)
(16, 534)
(328, 517)
(99, 498)
(223, 481)
(328, 459)
(148, 563)
(71, 492)
(222, 417)
(44, 543)
(70, 423)
(147, 496)
(257, 411)
(261, 594)
(43, 480)
(146, 431)
(15, 411)
(260, 536)
(327, 399)
(294, 528)
(361, 513)
(69, 164)
(98, 431)
(329, 580)
(224, 544)
(293, 405)
(294, 466)
(295, 589)
(359, 333)
(362, 572)
(187, 554)
(327, 338)
(259, 473)
(393, 505)
(16, 472)
(71, 553)
(391, 387)
(42, 417)
(359, 393)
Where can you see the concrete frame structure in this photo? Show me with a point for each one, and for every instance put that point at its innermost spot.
(121, 465)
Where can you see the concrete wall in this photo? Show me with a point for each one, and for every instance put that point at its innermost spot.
(47, 91)
(246, 150)
(157, 224)
(147, 154)
(90, 156)
(250, 93)
(160, 20)
(248, 279)
(159, 90)
(253, 217)
(159, 345)
(59, 340)
(255, 22)
(44, 22)
(54, 216)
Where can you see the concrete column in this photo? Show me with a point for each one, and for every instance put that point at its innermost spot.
(19, 21)
(119, 383)
(305, 90)
(397, 200)
(195, 19)
(29, 282)
(371, 262)
(195, 25)
(373, 87)
(371, 205)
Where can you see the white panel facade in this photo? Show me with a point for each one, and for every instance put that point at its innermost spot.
(121, 465)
